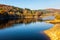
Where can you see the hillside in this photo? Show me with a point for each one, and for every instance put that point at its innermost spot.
(7, 11)
(53, 10)
(10, 9)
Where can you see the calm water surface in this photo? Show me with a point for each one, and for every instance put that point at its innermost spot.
(24, 29)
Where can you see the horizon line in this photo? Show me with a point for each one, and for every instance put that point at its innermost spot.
(30, 8)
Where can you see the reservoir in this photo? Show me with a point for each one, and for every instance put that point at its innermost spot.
(24, 29)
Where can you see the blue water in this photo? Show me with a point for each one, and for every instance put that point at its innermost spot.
(22, 31)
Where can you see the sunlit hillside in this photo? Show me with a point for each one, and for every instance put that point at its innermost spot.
(54, 32)
(16, 12)
(7, 10)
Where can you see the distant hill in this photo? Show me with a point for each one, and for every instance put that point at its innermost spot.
(53, 10)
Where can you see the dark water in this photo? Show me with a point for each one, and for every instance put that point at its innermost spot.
(23, 29)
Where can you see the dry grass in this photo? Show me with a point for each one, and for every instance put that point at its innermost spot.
(54, 33)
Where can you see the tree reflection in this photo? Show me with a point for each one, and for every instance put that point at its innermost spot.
(9, 23)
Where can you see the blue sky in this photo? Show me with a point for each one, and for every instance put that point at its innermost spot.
(33, 4)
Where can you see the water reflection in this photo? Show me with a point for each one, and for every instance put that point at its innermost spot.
(8, 23)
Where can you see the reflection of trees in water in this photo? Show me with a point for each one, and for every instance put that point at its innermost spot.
(8, 23)
(54, 33)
